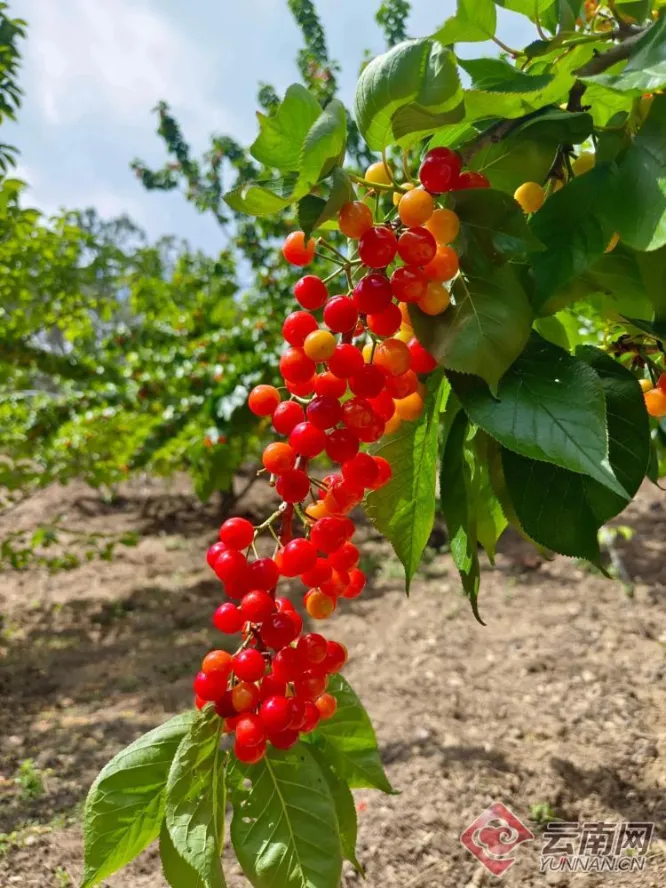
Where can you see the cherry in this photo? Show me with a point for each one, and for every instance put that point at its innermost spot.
(295, 366)
(324, 413)
(257, 606)
(278, 630)
(329, 385)
(402, 385)
(287, 415)
(311, 292)
(250, 731)
(284, 606)
(213, 552)
(296, 251)
(355, 219)
(444, 225)
(372, 432)
(409, 283)
(341, 445)
(237, 533)
(312, 649)
(263, 400)
(297, 326)
(410, 408)
(361, 470)
(384, 474)
(301, 389)
(357, 413)
(417, 246)
(440, 170)
(270, 685)
(661, 382)
(340, 314)
(378, 173)
(320, 345)
(307, 439)
(336, 656)
(249, 665)
(245, 696)
(444, 266)
(298, 556)
(284, 739)
(319, 605)
(393, 355)
(293, 486)
(199, 702)
(373, 294)
(278, 458)
(356, 583)
(471, 179)
(320, 573)
(231, 568)
(328, 534)
(415, 207)
(368, 382)
(297, 713)
(377, 247)
(311, 718)
(210, 687)
(436, 299)
(228, 618)
(310, 685)
(383, 404)
(286, 665)
(263, 574)
(347, 556)
(275, 714)
(345, 360)
(421, 361)
(387, 322)
(326, 704)
(250, 755)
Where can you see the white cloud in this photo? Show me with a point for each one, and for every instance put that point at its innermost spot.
(112, 57)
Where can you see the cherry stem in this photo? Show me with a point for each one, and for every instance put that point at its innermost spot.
(374, 186)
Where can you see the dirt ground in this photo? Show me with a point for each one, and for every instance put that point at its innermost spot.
(556, 707)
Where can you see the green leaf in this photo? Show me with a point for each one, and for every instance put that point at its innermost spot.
(195, 800)
(475, 20)
(646, 69)
(491, 521)
(614, 285)
(530, 8)
(553, 125)
(324, 146)
(404, 509)
(284, 828)
(493, 224)
(628, 433)
(510, 162)
(484, 332)
(264, 198)
(550, 407)
(313, 212)
(407, 93)
(176, 870)
(637, 209)
(605, 103)
(125, 806)
(653, 274)
(281, 136)
(568, 13)
(345, 807)
(348, 741)
(458, 498)
(571, 248)
(552, 329)
(551, 506)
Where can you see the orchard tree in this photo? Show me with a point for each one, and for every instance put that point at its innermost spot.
(494, 317)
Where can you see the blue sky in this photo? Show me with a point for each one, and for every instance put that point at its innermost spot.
(94, 69)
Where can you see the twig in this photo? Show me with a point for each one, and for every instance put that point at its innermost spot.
(605, 60)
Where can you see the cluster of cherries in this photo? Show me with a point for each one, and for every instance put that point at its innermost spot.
(350, 378)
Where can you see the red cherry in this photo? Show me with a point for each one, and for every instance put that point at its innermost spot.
(440, 170)
(245, 696)
(387, 322)
(257, 606)
(330, 386)
(373, 294)
(326, 704)
(383, 404)
(471, 179)
(213, 552)
(237, 533)
(249, 665)
(357, 413)
(263, 400)
(377, 247)
(310, 685)
(307, 439)
(328, 534)
(401, 386)
(295, 366)
(417, 246)
(287, 415)
(228, 619)
(284, 606)
(250, 755)
(311, 719)
(250, 731)
(384, 474)
(278, 458)
(312, 649)
(298, 556)
(409, 283)
(297, 712)
(369, 381)
(284, 739)
(340, 314)
(296, 251)
(271, 686)
(301, 389)
(661, 382)
(346, 557)
(341, 445)
(293, 486)
(275, 714)
(336, 656)
(263, 574)
(356, 583)
(297, 326)
(421, 361)
(231, 568)
(373, 432)
(345, 360)
(317, 575)
(346, 495)
(210, 687)
(311, 292)
(324, 412)
(278, 630)
(286, 665)
(361, 470)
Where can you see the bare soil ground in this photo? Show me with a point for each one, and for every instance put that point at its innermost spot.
(559, 701)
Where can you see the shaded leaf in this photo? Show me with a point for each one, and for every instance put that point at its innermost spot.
(176, 870)
(494, 224)
(345, 807)
(645, 70)
(324, 146)
(313, 212)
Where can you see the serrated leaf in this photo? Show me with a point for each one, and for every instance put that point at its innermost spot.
(475, 20)
(510, 162)
(125, 806)
(530, 8)
(313, 212)
(345, 808)
(550, 407)
(494, 224)
(484, 332)
(556, 126)
(458, 496)
(404, 509)
(568, 13)
(645, 70)
(637, 208)
(284, 828)
(574, 247)
(324, 146)
(195, 800)
(281, 136)
(491, 521)
(551, 506)
(175, 869)
(264, 198)
(348, 741)
(652, 267)
(407, 93)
